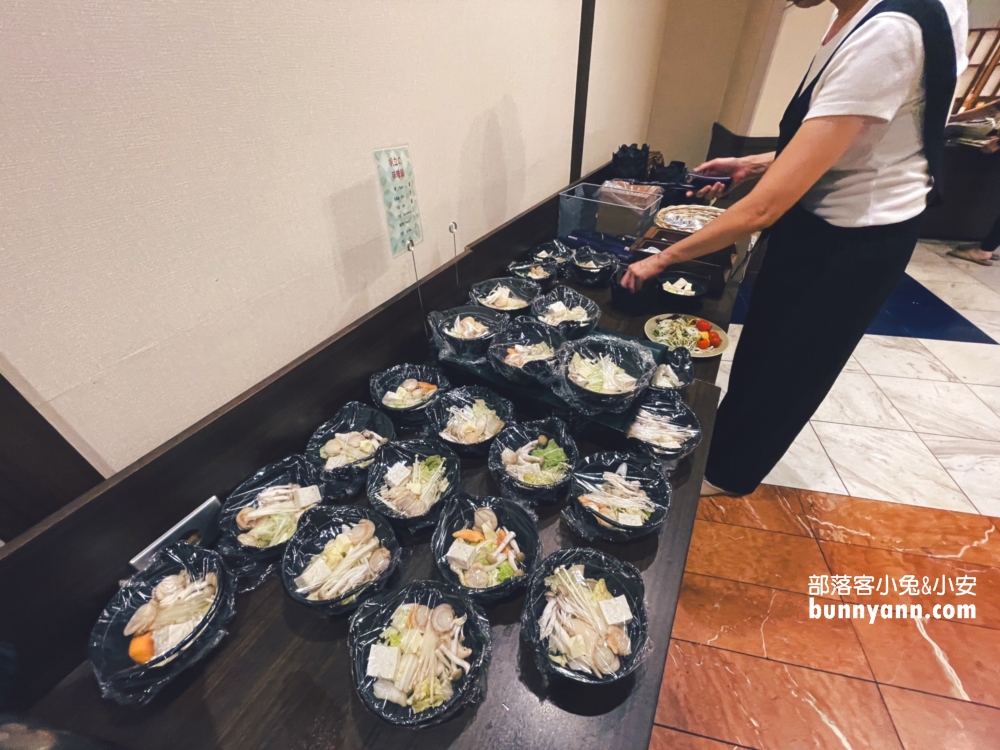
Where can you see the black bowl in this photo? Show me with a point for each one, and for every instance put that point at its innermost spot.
(382, 383)
(668, 406)
(681, 363)
(253, 565)
(571, 298)
(631, 303)
(120, 678)
(606, 263)
(438, 416)
(348, 480)
(526, 289)
(407, 450)
(458, 514)
(554, 250)
(317, 527)
(526, 331)
(516, 436)
(468, 350)
(631, 356)
(589, 475)
(621, 578)
(521, 270)
(375, 615)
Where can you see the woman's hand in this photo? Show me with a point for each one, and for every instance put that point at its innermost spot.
(741, 169)
(640, 272)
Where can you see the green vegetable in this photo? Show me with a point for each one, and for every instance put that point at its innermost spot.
(552, 455)
(427, 468)
(504, 571)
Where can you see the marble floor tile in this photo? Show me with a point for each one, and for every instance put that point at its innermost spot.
(935, 269)
(943, 657)
(722, 377)
(972, 363)
(735, 329)
(769, 507)
(890, 465)
(938, 408)
(750, 701)
(766, 622)
(671, 739)
(806, 466)
(988, 275)
(903, 528)
(989, 395)
(766, 558)
(900, 357)
(853, 365)
(929, 722)
(987, 322)
(855, 399)
(967, 295)
(974, 465)
(850, 560)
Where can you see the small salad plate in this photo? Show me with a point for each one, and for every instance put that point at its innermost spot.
(674, 331)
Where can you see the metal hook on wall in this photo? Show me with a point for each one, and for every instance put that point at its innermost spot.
(453, 228)
(416, 277)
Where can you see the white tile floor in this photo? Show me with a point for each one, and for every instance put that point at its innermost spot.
(912, 421)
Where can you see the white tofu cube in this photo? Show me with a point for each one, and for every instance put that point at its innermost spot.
(306, 496)
(314, 573)
(630, 519)
(397, 474)
(616, 611)
(382, 661)
(461, 554)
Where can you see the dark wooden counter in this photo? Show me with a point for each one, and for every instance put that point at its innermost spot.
(281, 678)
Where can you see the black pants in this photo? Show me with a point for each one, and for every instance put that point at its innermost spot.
(992, 240)
(818, 290)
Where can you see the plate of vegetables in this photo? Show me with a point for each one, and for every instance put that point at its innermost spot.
(699, 336)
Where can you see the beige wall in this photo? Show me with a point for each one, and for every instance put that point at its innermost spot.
(188, 190)
(761, 25)
(699, 45)
(984, 13)
(623, 66)
(800, 34)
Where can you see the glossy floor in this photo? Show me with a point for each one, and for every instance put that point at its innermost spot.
(749, 667)
(896, 475)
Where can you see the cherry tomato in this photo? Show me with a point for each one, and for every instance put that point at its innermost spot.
(714, 338)
(703, 344)
(704, 325)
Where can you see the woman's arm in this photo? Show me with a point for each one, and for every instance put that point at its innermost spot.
(817, 146)
(741, 169)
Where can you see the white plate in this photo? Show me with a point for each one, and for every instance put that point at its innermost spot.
(653, 322)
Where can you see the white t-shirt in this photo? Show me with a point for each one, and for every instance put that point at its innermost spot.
(878, 73)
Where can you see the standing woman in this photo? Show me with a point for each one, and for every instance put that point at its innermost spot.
(859, 157)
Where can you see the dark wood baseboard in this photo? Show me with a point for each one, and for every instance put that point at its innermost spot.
(40, 471)
(727, 143)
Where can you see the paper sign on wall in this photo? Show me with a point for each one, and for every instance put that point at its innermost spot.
(399, 191)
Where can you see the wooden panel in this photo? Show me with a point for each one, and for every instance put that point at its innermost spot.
(582, 87)
(39, 471)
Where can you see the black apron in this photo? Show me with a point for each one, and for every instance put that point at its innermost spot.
(818, 290)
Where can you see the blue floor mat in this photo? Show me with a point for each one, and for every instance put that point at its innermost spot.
(912, 310)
